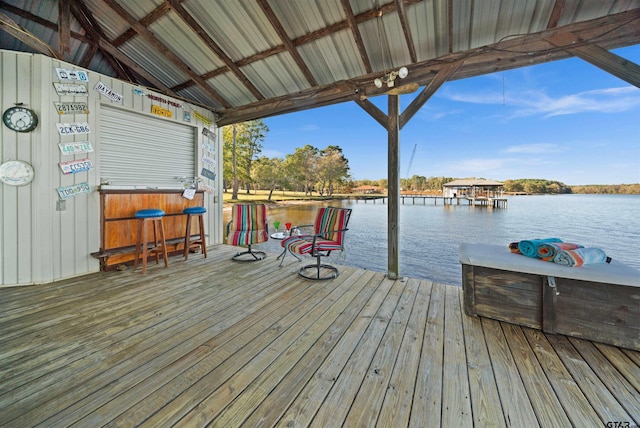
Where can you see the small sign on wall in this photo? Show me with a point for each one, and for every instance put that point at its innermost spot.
(208, 174)
(76, 166)
(74, 190)
(64, 74)
(72, 108)
(75, 147)
(75, 89)
(202, 118)
(73, 128)
(157, 110)
(108, 92)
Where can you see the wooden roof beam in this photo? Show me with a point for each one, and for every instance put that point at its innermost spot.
(217, 50)
(357, 36)
(601, 58)
(150, 38)
(149, 19)
(406, 30)
(12, 28)
(93, 29)
(291, 49)
(64, 28)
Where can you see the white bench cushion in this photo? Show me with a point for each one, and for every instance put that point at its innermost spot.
(499, 257)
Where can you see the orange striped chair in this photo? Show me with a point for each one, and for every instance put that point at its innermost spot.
(248, 226)
(329, 230)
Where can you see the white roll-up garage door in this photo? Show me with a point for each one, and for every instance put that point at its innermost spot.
(142, 150)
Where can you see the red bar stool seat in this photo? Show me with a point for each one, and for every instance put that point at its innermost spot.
(153, 216)
(199, 242)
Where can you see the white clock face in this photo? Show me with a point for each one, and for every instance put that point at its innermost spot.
(20, 119)
(16, 173)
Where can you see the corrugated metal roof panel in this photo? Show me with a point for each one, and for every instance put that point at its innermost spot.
(239, 27)
(276, 75)
(171, 30)
(153, 62)
(427, 21)
(333, 58)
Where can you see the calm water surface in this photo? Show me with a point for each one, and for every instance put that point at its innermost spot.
(430, 234)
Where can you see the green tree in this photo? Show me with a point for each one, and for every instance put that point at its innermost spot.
(242, 143)
(301, 168)
(268, 173)
(332, 169)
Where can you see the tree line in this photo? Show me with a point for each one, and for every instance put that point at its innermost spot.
(326, 171)
(308, 169)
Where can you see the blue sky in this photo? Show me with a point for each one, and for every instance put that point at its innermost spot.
(566, 120)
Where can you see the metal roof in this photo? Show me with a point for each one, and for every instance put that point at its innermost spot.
(473, 183)
(248, 59)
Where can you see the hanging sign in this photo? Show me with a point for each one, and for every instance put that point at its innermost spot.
(75, 166)
(208, 160)
(208, 147)
(73, 128)
(75, 147)
(209, 134)
(208, 174)
(206, 188)
(72, 108)
(164, 101)
(71, 191)
(76, 89)
(157, 110)
(202, 118)
(108, 92)
(186, 116)
(72, 75)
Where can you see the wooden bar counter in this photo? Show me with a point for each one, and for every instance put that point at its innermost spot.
(118, 227)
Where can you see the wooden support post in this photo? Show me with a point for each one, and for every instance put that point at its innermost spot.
(393, 210)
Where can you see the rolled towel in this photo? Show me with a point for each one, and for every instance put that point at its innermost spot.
(548, 251)
(580, 257)
(530, 247)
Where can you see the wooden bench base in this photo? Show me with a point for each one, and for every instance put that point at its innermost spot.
(598, 311)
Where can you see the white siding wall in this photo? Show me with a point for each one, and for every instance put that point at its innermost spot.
(39, 244)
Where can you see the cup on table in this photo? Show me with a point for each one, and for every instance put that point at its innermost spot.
(276, 224)
(288, 226)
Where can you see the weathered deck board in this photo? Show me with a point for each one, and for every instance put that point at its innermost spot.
(218, 343)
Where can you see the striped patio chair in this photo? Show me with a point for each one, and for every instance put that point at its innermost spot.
(329, 230)
(248, 226)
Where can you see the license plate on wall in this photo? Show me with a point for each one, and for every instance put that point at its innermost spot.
(73, 167)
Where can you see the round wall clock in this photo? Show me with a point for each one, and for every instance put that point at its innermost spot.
(20, 119)
(16, 173)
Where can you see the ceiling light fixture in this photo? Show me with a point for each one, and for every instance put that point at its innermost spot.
(389, 78)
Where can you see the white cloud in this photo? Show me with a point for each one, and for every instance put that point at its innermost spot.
(535, 148)
(538, 103)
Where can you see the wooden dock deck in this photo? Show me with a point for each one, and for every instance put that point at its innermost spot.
(210, 342)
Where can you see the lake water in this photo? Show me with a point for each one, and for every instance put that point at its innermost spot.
(430, 234)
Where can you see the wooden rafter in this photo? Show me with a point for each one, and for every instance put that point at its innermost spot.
(11, 27)
(291, 49)
(64, 28)
(601, 58)
(146, 21)
(217, 50)
(150, 38)
(93, 29)
(555, 14)
(357, 37)
(406, 30)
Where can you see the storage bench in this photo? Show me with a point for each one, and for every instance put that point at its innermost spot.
(599, 302)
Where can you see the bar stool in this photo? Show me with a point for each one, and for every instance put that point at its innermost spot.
(199, 242)
(159, 246)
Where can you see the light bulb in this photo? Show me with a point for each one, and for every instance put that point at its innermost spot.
(403, 72)
(378, 83)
